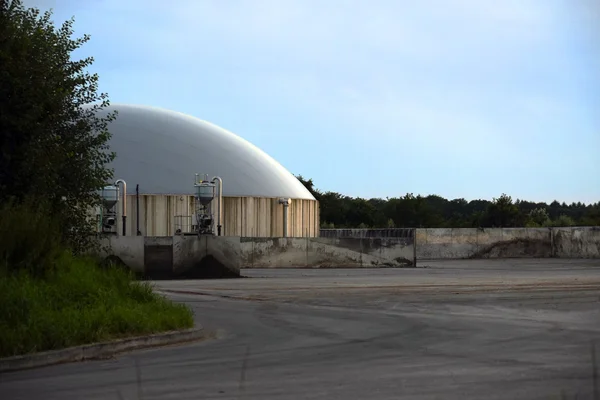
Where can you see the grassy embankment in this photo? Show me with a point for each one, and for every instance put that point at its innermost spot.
(50, 299)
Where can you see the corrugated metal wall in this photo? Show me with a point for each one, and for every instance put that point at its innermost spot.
(242, 216)
(263, 217)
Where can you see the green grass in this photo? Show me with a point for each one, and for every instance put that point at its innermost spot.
(79, 302)
(51, 299)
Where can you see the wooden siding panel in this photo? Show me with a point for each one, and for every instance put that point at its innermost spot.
(242, 216)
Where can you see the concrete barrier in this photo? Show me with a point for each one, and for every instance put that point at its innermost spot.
(128, 249)
(326, 252)
(206, 256)
(457, 243)
(166, 257)
(576, 242)
(222, 256)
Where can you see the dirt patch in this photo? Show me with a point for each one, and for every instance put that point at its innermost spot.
(516, 248)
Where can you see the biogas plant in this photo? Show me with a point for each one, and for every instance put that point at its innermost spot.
(179, 175)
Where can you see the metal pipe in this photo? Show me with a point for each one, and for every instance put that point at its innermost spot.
(285, 218)
(124, 213)
(137, 210)
(286, 203)
(220, 201)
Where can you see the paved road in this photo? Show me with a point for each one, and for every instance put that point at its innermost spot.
(455, 330)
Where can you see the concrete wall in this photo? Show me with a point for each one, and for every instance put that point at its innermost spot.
(129, 249)
(214, 257)
(508, 243)
(326, 252)
(576, 242)
(206, 256)
(178, 256)
(161, 215)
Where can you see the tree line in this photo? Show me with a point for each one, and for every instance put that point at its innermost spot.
(340, 211)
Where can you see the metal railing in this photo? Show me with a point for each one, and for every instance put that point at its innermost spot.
(368, 233)
(183, 224)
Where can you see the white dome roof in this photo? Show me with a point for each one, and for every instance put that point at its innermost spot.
(161, 150)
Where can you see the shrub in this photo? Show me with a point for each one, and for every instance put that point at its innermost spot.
(80, 303)
(561, 221)
(53, 299)
(30, 237)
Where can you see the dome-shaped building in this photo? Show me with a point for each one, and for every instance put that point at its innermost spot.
(160, 151)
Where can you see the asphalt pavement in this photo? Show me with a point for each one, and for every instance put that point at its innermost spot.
(506, 329)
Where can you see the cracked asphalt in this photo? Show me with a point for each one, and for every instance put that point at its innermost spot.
(495, 329)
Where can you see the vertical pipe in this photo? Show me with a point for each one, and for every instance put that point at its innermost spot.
(137, 210)
(124, 216)
(285, 203)
(220, 222)
(285, 219)
(220, 202)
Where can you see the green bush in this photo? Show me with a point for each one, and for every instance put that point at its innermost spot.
(52, 299)
(80, 303)
(561, 221)
(29, 236)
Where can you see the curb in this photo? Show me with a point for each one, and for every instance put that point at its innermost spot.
(97, 350)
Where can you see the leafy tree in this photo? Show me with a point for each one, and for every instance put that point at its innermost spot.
(360, 212)
(310, 186)
(502, 212)
(591, 215)
(539, 217)
(53, 146)
(562, 220)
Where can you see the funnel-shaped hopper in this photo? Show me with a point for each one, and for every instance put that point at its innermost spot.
(205, 192)
(110, 196)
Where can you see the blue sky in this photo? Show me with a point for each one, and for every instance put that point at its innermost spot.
(377, 98)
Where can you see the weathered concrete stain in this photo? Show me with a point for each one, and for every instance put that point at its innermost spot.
(206, 256)
(129, 249)
(577, 242)
(167, 257)
(326, 252)
(457, 243)
(515, 248)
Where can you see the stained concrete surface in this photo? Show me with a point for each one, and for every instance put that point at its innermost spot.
(179, 257)
(456, 243)
(455, 330)
(326, 252)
